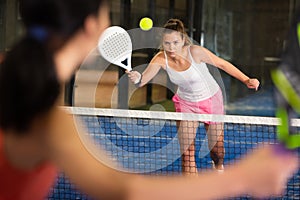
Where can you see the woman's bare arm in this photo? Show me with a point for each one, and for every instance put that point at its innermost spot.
(67, 151)
(201, 54)
(261, 174)
(152, 69)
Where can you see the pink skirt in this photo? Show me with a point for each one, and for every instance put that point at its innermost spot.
(212, 105)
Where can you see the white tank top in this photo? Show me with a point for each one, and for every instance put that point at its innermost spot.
(194, 84)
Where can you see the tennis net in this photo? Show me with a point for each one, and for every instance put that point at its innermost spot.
(147, 142)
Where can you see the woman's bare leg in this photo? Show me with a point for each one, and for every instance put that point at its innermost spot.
(186, 135)
(215, 133)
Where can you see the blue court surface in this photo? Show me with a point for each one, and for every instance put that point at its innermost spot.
(152, 150)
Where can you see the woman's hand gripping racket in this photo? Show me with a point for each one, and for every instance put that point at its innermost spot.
(115, 46)
(285, 134)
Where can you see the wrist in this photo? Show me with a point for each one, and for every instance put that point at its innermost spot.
(246, 81)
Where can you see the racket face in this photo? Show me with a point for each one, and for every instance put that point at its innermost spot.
(115, 46)
(290, 138)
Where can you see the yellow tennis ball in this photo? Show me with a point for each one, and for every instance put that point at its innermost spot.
(146, 23)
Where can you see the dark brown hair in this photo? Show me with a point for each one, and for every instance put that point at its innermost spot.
(29, 85)
(177, 25)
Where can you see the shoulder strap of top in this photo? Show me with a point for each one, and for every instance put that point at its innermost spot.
(166, 59)
(190, 54)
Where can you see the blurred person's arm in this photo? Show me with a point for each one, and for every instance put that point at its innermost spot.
(260, 174)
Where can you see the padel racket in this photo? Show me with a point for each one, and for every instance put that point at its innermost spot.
(286, 79)
(286, 89)
(115, 46)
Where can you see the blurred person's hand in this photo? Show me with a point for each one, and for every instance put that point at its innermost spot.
(266, 171)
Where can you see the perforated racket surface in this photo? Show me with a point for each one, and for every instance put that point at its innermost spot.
(115, 46)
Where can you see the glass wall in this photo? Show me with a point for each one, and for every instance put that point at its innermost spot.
(2, 22)
(248, 33)
(10, 23)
